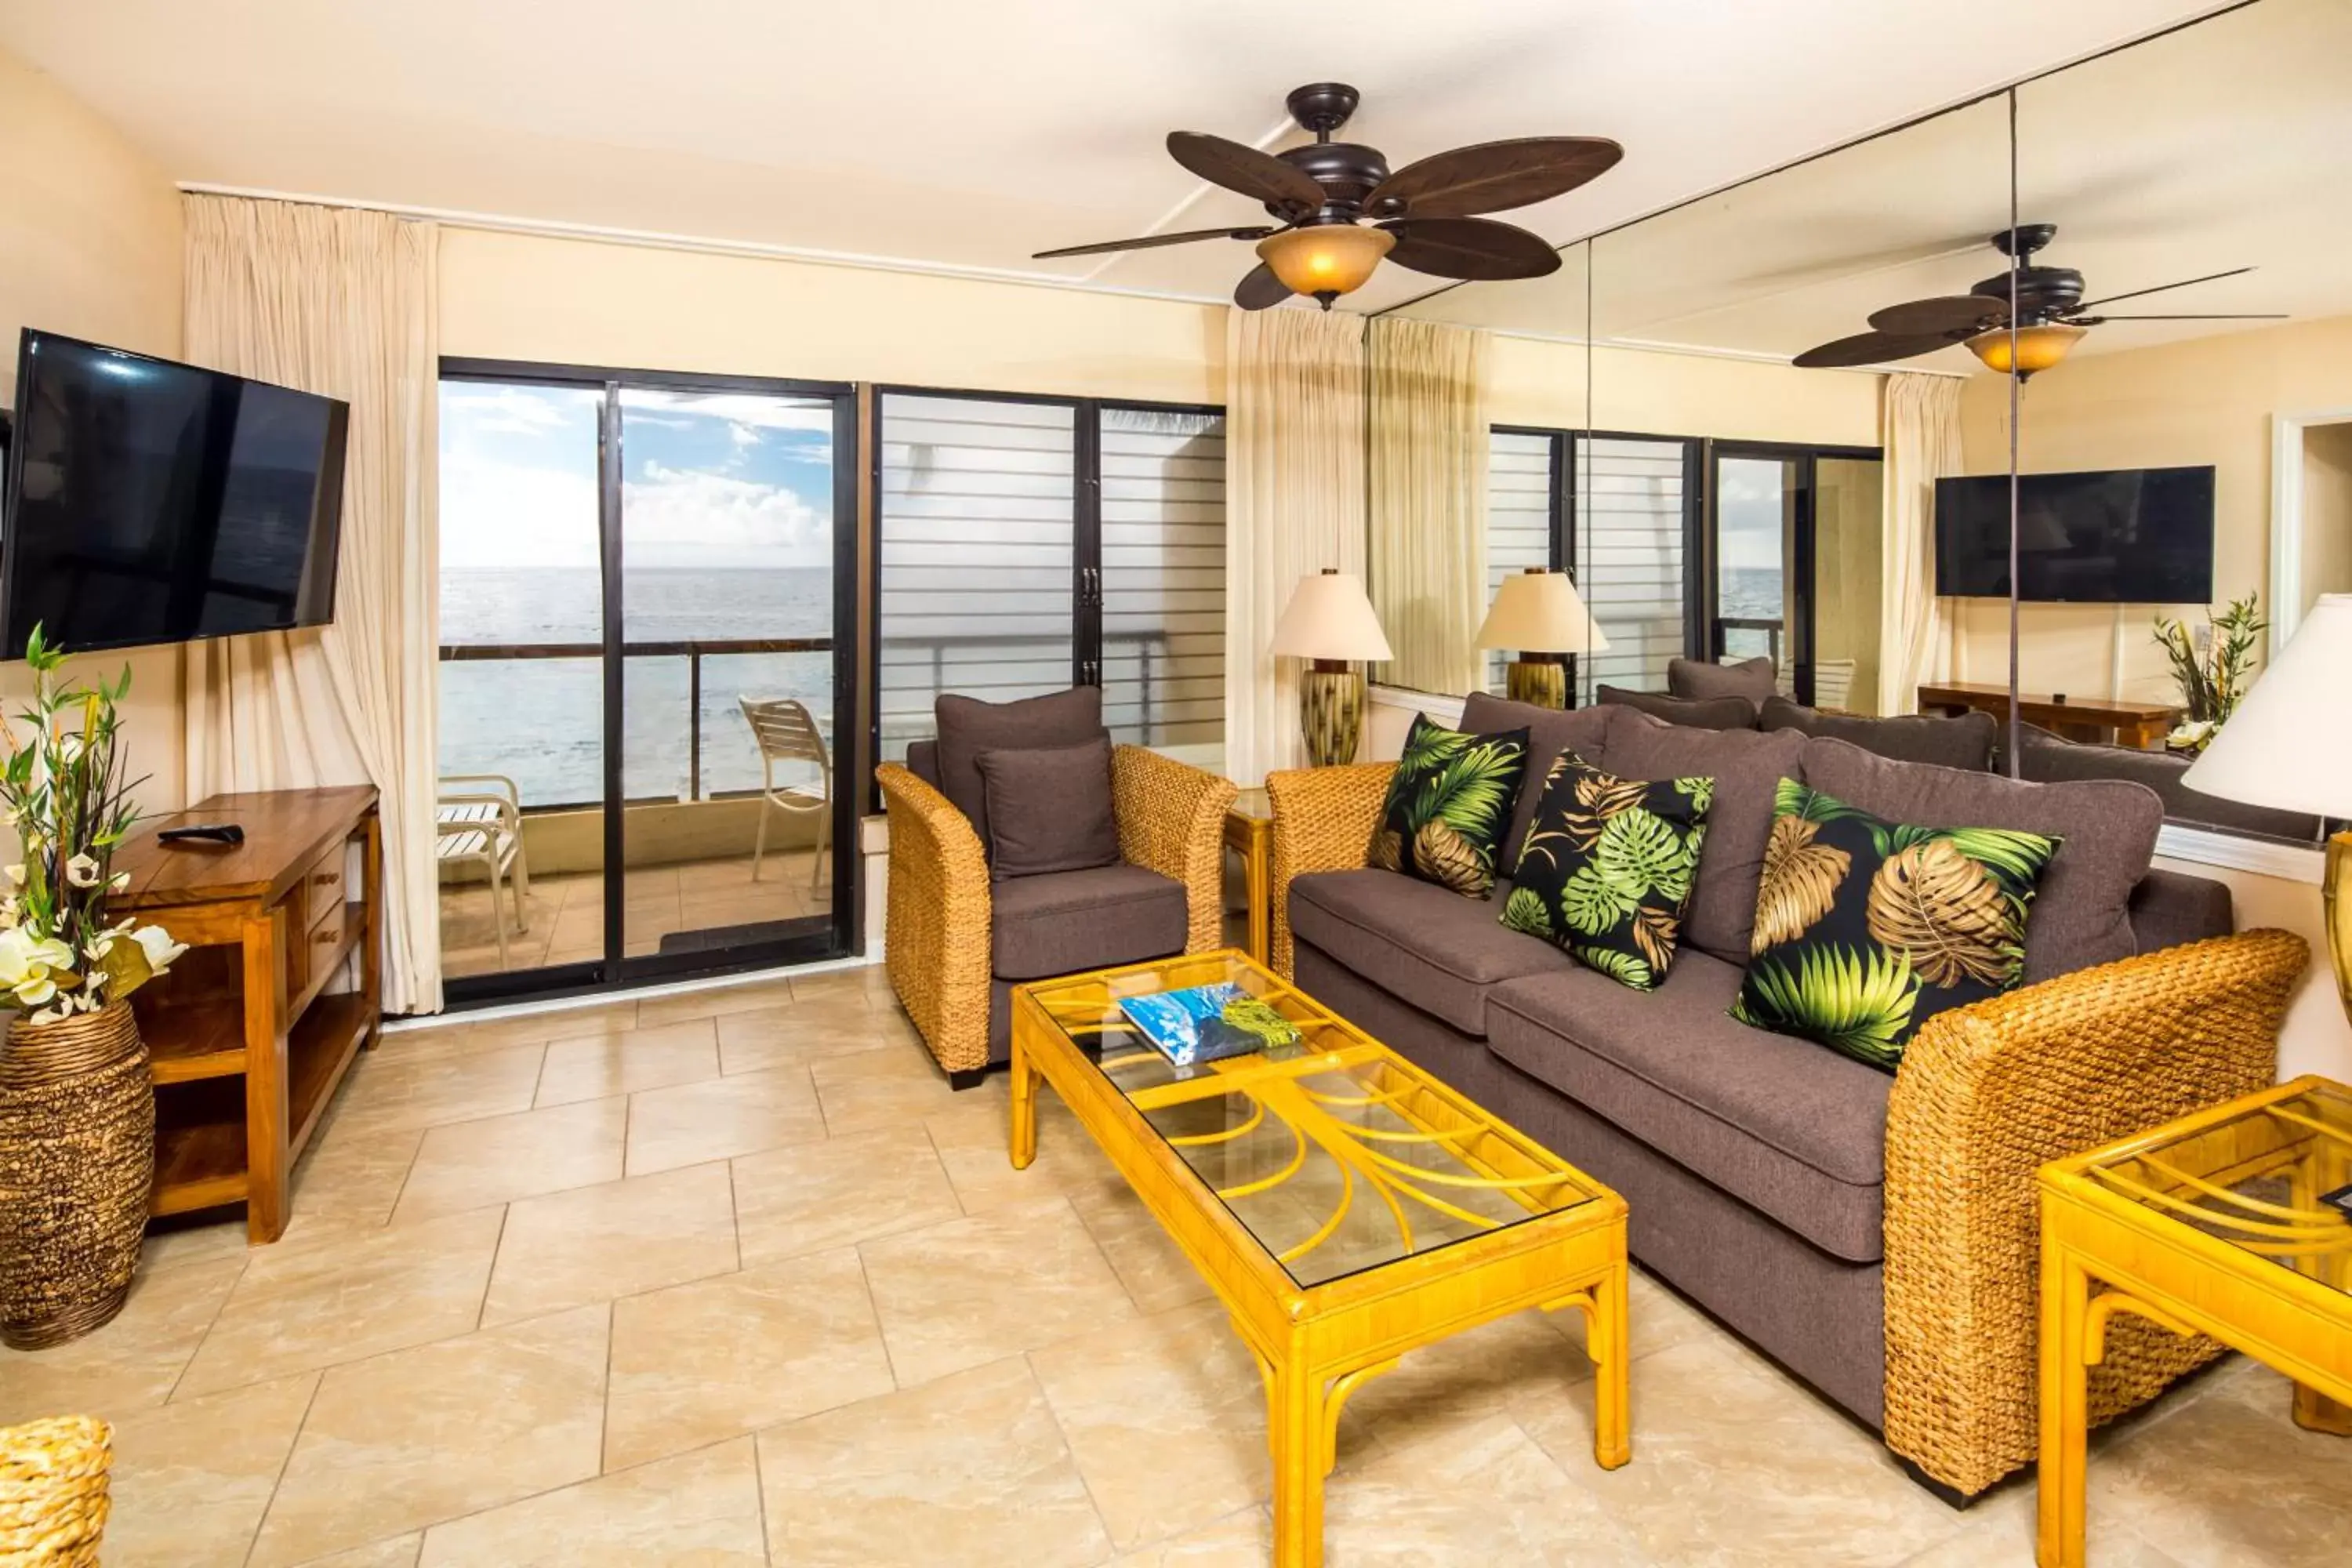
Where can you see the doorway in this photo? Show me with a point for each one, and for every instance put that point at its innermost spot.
(1791, 570)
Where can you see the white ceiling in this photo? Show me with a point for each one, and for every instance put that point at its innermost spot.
(969, 134)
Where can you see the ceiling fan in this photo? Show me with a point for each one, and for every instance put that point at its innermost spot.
(2051, 315)
(1422, 214)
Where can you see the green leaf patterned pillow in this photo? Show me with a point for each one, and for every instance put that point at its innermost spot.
(1607, 867)
(1866, 929)
(1448, 804)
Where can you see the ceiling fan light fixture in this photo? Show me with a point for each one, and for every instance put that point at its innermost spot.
(1326, 259)
(2038, 347)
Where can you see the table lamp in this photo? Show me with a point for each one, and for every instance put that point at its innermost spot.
(1538, 612)
(2289, 746)
(1329, 621)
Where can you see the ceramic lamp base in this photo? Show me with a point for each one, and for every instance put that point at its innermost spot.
(2336, 893)
(1331, 713)
(1543, 682)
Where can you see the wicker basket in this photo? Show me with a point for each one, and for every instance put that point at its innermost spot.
(53, 1491)
(76, 1162)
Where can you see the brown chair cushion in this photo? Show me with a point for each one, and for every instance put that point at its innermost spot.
(1962, 741)
(923, 761)
(1049, 810)
(1069, 921)
(968, 727)
(1758, 679)
(2106, 828)
(1550, 731)
(1422, 944)
(1708, 713)
(1779, 1123)
(1747, 766)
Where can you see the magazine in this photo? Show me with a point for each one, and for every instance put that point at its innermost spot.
(1205, 1023)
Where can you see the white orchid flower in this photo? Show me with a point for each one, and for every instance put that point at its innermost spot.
(82, 871)
(121, 880)
(27, 963)
(16, 873)
(160, 948)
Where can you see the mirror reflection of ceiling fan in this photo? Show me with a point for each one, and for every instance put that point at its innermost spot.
(2052, 315)
(1422, 215)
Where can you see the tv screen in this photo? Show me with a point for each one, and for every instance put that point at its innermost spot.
(2129, 536)
(154, 502)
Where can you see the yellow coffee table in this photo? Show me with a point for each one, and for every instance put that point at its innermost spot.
(1345, 1206)
(2213, 1224)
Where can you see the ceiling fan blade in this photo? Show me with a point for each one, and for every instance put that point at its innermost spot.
(2184, 282)
(1951, 313)
(1474, 248)
(1872, 348)
(1259, 287)
(2232, 316)
(1145, 242)
(1493, 175)
(1261, 176)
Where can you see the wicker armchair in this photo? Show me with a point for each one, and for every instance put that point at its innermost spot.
(937, 926)
(1986, 1095)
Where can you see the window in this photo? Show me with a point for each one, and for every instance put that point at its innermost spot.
(1163, 580)
(1523, 500)
(1633, 522)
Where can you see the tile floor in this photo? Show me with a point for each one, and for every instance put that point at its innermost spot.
(566, 909)
(733, 1278)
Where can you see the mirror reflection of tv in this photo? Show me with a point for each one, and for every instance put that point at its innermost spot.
(149, 501)
(2118, 536)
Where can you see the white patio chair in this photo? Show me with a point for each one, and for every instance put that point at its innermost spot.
(1832, 682)
(477, 819)
(786, 733)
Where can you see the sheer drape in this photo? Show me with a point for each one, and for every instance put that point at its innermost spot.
(339, 303)
(1294, 504)
(1920, 429)
(1428, 500)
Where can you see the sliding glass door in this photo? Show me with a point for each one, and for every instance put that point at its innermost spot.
(1793, 553)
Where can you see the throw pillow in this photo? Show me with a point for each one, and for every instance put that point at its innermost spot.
(1697, 713)
(968, 727)
(1448, 803)
(1049, 809)
(1866, 929)
(1607, 867)
(1754, 678)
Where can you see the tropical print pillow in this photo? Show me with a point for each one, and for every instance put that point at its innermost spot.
(1866, 929)
(1607, 867)
(1448, 803)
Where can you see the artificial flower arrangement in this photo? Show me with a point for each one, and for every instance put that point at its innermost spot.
(64, 794)
(2214, 666)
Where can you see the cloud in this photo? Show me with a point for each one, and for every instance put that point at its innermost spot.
(509, 410)
(497, 514)
(678, 518)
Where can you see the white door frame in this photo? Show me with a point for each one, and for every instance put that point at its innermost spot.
(2286, 518)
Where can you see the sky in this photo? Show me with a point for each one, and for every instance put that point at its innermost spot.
(714, 481)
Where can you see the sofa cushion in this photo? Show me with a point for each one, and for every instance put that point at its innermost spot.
(1069, 921)
(1961, 741)
(968, 727)
(2106, 829)
(1757, 680)
(1707, 713)
(1746, 766)
(1049, 809)
(1550, 731)
(1609, 867)
(2045, 758)
(1417, 941)
(1779, 1123)
(1449, 801)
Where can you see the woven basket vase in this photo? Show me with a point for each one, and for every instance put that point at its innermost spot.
(77, 1162)
(53, 1491)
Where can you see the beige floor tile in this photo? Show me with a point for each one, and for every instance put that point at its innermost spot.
(191, 1480)
(796, 1034)
(1243, 1540)
(472, 1164)
(974, 1143)
(302, 1305)
(972, 1290)
(1999, 1533)
(174, 1242)
(132, 1362)
(383, 1095)
(1486, 1494)
(700, 1509)
(715, 1001)
(829, 1194)
(699, 1362)
(352, 1176)
(471, 1035)
(398, 1552)
(426, 1435)
(870, 980)
(888, 1088)
(1165, 1419)
(1154, 1269)
(970, 1469)
(1515, 1367)
(599, 1065)
(593, 1243)
(719, 1119)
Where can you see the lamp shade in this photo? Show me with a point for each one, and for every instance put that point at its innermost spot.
(1538, 611)
(1325, 257)
(1329, 616)
(2038, 348)
(2289, 744)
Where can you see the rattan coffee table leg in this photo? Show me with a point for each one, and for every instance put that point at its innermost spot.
(2065, 1307)
(1607, 1343)
(1294, 1419)
(1024, 1077)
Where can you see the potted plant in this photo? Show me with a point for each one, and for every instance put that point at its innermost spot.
(2213, 668)
(77, 1106)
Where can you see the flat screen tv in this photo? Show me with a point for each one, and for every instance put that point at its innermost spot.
(2126, 536)
(148, 501)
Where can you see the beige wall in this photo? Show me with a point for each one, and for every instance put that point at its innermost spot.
(1848, 549)
(90, 246)
(2327, 510)
(1535, 382)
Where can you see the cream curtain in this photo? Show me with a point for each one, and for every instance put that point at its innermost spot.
(1293, 505)
(1428, 500)
(340, 302)
(1919, 426)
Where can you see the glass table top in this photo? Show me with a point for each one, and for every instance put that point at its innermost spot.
(1335, 1154)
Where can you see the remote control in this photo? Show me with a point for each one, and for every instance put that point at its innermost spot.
(202, 833)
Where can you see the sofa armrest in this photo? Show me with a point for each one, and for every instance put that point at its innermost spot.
(1171, 820)
(1323, 821)
(1985, 1097)
(937, 924)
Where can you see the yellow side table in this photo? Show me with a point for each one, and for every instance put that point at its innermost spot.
(2215, 1225)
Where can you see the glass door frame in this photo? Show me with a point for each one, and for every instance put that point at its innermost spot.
(1707, 641)
(852, 630)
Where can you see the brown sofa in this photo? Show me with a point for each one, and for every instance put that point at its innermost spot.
(1873, 1232)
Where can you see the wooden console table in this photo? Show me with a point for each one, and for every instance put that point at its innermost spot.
(245, 1041)
(2135, 725)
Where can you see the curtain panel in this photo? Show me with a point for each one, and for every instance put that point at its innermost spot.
(1293, 505)
(1428, 500)
(1919, 426)
(340, 302)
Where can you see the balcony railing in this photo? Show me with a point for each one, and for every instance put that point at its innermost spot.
(1726, 624)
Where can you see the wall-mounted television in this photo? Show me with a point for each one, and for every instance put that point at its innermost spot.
(2118, 536)
(148, 501)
